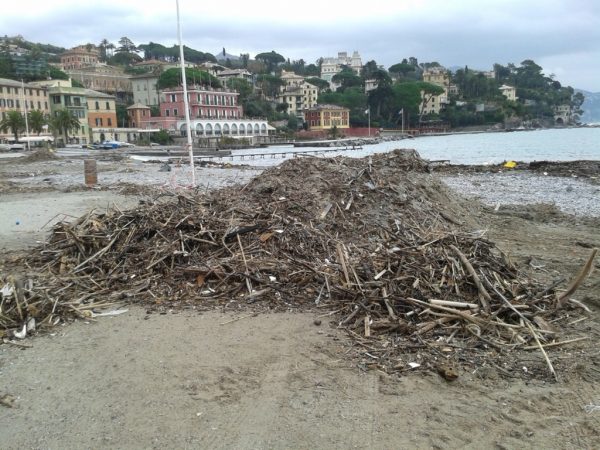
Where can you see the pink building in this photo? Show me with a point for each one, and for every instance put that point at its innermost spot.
(205, 103)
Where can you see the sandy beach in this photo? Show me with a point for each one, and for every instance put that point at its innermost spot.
(221, 378)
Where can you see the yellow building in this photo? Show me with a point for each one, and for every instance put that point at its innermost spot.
(325, 117)
(440, 77)
(15, 96)
(297, 94)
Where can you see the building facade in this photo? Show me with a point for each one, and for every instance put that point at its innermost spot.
(440, 77)
(103, 78)
(298, 96)
(204, 103)
(138, 114)
(332, 66)
(325, 117)
(73, 100)
(145, 89)
(78, 57)
(228, 74)
(510, 92)
(101, 108)
(15, 96)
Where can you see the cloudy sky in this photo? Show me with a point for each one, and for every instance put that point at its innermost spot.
(563, 36)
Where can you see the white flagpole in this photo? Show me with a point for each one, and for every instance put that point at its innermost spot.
(369, 113)
(185, 99)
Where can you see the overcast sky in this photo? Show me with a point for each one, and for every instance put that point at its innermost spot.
(563, 36)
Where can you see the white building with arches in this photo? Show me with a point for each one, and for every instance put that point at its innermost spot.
(206, 128)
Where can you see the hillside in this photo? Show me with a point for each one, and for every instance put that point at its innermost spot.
(591, 107)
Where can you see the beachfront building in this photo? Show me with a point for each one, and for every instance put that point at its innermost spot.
(16, 96)
(101, 108)
(332, 66)
(297, 94)
(75, 101)
(325, 117)
(510, 92)
(78, 57)
(563, 114)
(204, 102)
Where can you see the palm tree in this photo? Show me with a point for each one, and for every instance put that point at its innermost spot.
(103, 49)
(63, 121)
(37, 119)
(15, 122)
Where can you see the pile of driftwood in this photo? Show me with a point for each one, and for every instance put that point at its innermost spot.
(378, 244)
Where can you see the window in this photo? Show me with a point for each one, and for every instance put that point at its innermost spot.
(39, 105)
(98, 122)
(76, 101)
(173, 97)
(167, 112)
(109, 120)
(45, 105)
(107, 105)
(17, 103)
(97, 105)
(175, 112)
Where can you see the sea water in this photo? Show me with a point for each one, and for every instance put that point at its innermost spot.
(566, 144)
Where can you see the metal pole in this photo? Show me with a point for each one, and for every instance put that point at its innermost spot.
(185, 99)
(369, 113)
(26, 120)
(402, 121)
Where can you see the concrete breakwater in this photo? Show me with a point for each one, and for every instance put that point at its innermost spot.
(351, 142)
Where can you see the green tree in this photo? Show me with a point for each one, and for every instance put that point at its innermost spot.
(57, 74)
(270, 59)
(172, 78)
(407, 97)
(37, 120)
(347, 78)
(319, 83)
(270, 84)
(13, 121)
(63, 122)
(369, 69)
(402, 69)
(103, 46)
(162, 137)
(312, 71)
(124, 59)
(126, 45)
(241, 86)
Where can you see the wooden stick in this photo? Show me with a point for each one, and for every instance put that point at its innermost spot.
(453, 304)
(484, 296)
(248, 282)
(556, 344)
(580, 278)
(541, 347)
(367, 326)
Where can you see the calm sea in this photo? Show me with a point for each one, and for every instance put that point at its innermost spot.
(482, 148)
